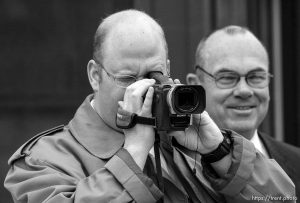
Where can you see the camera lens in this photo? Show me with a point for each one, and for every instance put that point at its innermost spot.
(186, 99)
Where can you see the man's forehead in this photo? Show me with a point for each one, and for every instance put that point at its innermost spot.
(133, 49)
(224, 48)
(221, 40)
(134, 42)
(133, 39)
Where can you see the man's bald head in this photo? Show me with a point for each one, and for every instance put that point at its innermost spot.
(220, 37)
(124, 24)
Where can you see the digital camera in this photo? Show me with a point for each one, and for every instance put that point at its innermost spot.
(173, 104)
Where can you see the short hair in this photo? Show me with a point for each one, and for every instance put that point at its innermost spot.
(109, 22)
(232, 30)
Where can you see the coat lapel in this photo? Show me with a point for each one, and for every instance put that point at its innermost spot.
(93, 134)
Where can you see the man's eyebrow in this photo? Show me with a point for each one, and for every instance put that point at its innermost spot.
(159, 68)
(226, 70)
(258, 69)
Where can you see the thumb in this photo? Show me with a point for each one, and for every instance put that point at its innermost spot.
(201, 119)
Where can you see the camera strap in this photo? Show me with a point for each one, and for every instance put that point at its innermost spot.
(126, 120)
(158, 164)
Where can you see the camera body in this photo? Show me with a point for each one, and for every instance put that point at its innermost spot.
(173, 104)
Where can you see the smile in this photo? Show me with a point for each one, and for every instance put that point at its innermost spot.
(243, 107)
(242, 110)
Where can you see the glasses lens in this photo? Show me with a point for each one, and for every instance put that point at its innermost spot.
(124, 81)
(226, 80)
(258, 79)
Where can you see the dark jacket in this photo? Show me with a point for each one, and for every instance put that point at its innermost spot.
(286, 155)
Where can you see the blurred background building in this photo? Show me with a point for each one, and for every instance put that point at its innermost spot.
(45, 46)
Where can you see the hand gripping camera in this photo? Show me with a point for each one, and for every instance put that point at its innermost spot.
(173, 104)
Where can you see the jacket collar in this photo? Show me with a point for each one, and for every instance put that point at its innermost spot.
(93, 134)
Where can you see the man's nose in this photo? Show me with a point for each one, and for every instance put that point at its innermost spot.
(242, 89)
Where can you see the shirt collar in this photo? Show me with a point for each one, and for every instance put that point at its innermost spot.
(259, 144)
(93, 133)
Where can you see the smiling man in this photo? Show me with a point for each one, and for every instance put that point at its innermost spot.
(233, 67)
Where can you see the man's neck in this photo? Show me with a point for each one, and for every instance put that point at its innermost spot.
(247, 134)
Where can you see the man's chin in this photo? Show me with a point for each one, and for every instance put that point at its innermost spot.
(241, 127)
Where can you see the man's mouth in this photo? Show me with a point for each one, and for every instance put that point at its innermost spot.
(242, 108)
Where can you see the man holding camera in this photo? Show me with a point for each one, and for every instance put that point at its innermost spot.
(93, 160)
(233, 67)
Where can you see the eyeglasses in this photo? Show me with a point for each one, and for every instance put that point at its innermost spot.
(227, 80)
(121, 80)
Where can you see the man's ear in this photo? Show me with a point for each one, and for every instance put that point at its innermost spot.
(192, 79)
(168, 67)
(94, 74)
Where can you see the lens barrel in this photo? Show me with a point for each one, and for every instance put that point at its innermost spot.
(186, 99)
